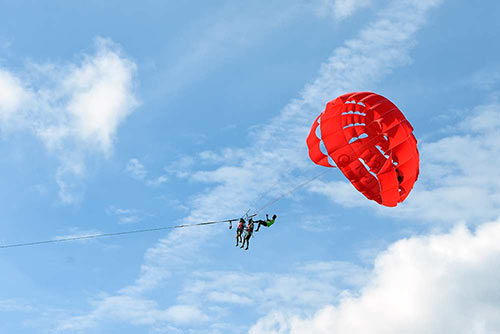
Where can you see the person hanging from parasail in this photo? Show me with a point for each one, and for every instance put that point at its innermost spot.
(268, 222)
(239, 231)
(248, 233)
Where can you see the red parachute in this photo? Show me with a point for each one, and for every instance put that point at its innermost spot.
(368, 138)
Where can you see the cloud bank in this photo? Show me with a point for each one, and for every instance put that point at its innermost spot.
(443, 283)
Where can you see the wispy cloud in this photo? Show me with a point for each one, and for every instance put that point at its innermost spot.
(182, 167)
(304, 288)
(14, 305)
(137, 311)
(125, 216)
(237, 26)
(341, 192)
(486, 78)
(206, 297)
(339, 9)
(74, 109)
(136, 169)
(139, 172)
(12, 95)
(317, 223)
(234, 27)
(77, 233)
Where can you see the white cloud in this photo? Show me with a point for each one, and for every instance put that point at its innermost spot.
(304, 288)
(74, 109)
(12, 96)
(339, 9)
(265, 290)
(206, 296)
(136, 169)
(183, 314)
(77, 233)
(181, 167)
(84, 103)
(444, 283)
(486, 78)
(137, 311)
(68, 178)
(459, 177)
(175, 203)
(14, 305)
(157, 181)
(317, 223)
(101, 96)
(341, 192)
(125, 216)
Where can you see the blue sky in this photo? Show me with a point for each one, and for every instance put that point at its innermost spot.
(123, 115)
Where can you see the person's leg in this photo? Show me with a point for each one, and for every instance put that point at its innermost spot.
(248, 241)
(259, 222)
(237, 238)
(244, 240)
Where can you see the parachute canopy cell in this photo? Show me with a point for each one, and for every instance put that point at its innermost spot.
(368, 138)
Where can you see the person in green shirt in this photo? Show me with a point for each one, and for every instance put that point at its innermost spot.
(268, 222)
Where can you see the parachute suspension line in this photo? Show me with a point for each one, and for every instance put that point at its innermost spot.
(94, 236)
(303, 184)
(263, 194)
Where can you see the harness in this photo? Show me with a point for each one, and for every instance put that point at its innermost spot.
(250, 228)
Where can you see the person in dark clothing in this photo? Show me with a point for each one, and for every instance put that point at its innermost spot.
(248, 234)
(239, 231)
(268, 222)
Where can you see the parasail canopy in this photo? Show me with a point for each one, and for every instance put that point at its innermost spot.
(369, 139)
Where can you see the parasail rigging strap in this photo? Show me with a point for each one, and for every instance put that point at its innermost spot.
(253, 205)
(274, 200)
(93, 236)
